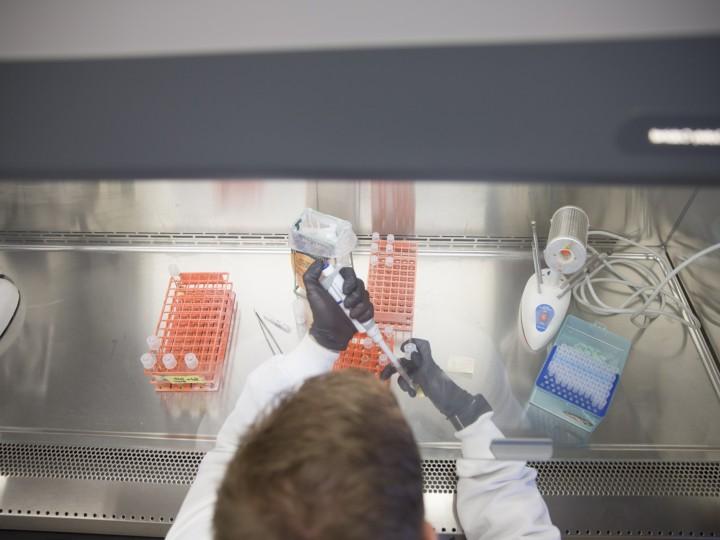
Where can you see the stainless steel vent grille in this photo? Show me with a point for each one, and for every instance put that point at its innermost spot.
(98, 463)
(628, 478)
(142, 239)
(600, 478)
(555, 478)
(439, 476)
(642, 533)
(54, 513)
(265, 241)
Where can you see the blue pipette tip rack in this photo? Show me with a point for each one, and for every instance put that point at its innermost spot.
(581, 374)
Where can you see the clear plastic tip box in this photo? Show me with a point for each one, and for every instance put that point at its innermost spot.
(580, 375)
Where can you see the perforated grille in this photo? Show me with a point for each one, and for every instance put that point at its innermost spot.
(61, 513)
(600, 478)
(131, 240)
(555, 478)
(439, 476)
(95, 463)
(629, 478)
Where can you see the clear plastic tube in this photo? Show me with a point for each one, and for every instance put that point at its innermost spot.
(191, 361)
(154, 342)
(169, 361)
(148, 360)
(646, 299)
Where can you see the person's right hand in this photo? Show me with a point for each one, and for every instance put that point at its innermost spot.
(331, 328)
(460, 407)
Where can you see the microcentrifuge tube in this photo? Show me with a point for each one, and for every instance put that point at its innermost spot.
(367, 342)
(154, 342)
(391, 238)
(373, 260)
(375, 236)
(389, 331)
(409, 349)
(191, 361)
(148, 360)
(388, 261)
(388, 248)
(374, 247)
(169, 361)
(383, 360)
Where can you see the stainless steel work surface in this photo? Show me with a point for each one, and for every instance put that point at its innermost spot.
(71, 364)
(70, 369)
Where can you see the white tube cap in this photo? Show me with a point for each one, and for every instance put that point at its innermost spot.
(154, 342)
(169, 361)
(191, 360)
(148, 360)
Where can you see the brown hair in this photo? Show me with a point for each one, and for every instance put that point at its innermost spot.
(335, 459)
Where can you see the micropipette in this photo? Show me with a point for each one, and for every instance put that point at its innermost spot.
(333, 282)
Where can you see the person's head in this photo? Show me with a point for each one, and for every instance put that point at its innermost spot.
(335, 459)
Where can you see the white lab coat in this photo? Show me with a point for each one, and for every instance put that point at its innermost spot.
(495, 499)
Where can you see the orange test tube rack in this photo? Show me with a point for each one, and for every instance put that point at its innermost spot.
(392, 288)
(196, 317)
(360, 357)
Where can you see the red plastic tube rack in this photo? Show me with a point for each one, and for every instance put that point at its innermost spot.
(358, 356)
(392, 288)
(196, 317)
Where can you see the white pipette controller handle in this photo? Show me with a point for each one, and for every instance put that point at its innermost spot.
(332, 281)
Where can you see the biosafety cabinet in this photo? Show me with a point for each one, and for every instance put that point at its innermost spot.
(126, 178)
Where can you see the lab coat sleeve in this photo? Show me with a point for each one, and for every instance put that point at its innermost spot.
(497, 499)
(264, 385)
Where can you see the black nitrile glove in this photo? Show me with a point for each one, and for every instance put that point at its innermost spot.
(331, 328)
(460, 407)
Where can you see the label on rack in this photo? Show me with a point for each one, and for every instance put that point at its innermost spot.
(182, 379)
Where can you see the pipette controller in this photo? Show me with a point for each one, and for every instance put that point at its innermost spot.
(332, 281)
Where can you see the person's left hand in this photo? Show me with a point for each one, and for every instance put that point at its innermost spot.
(459, 406)
(331, 328)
